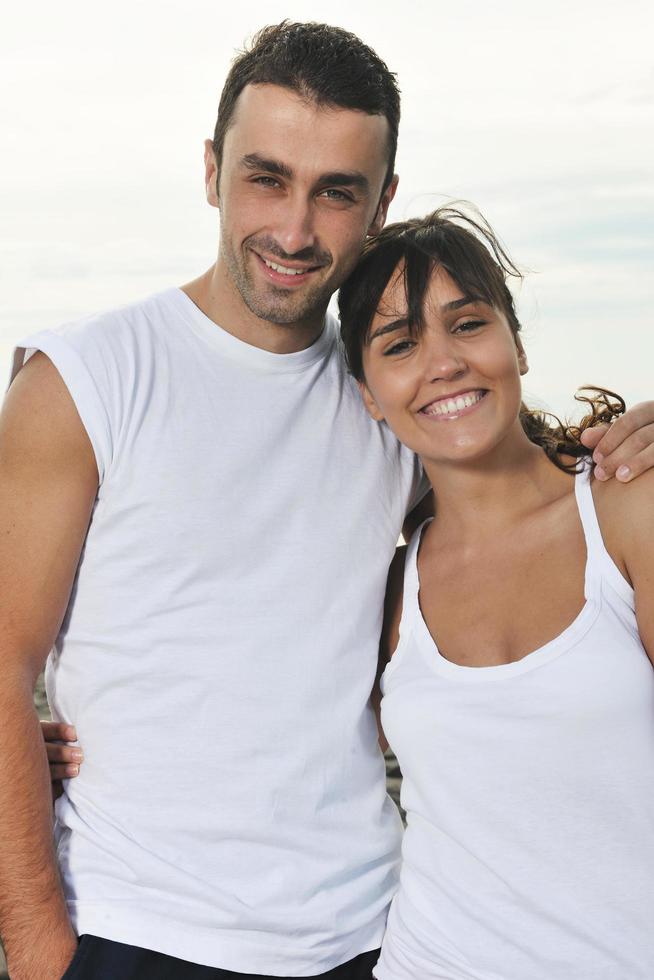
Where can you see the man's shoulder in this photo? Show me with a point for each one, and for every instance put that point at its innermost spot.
(103, 345)
(111, 335)
(156, 310)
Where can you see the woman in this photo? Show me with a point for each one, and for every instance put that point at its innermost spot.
(519, 697)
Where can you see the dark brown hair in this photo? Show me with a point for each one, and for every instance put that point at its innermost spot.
(469, 251)
(326, 64)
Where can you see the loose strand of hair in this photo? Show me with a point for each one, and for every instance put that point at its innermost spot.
(560, 438)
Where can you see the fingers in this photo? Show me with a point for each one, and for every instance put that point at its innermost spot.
(63, 753)
(59, 772)
(636, 421)
(591, 437)
(632, 457)
(63, 759)
(58, 731)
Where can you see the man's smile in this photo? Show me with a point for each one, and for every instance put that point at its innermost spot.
(285, 273)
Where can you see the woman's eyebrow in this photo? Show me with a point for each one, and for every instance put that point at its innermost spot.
(389, 328)
(456, 304)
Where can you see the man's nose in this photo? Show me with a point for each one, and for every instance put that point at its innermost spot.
(296, 226)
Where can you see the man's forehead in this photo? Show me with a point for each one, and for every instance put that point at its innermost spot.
(269, 118)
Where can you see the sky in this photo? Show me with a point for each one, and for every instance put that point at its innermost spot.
(540, 114)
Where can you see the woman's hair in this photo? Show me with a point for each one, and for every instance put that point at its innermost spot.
(469, 251)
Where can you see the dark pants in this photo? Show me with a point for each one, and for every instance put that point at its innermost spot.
(102, 959)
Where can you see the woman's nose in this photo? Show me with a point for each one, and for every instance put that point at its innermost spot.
(442, 361)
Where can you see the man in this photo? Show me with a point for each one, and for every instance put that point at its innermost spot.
(199, 516)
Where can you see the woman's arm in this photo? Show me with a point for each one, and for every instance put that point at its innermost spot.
(390, 631)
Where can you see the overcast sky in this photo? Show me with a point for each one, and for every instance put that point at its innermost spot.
(542, 114)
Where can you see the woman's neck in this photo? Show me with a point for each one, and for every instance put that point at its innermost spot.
(481, 496)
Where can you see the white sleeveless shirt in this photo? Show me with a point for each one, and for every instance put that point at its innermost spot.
(220, 645)
(529, 791)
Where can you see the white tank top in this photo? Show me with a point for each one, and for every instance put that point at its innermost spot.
(529, 791)
(221, 642)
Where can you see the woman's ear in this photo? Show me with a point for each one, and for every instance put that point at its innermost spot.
(369, 402)
(523, 364)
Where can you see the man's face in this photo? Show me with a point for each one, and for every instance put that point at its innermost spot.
(300, 188)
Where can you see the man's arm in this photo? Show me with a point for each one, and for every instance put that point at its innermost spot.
(48, 484)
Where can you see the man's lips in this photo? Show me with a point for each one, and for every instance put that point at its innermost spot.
(283, 273)
(454, 405)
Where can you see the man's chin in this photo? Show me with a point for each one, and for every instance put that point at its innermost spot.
(288, 311)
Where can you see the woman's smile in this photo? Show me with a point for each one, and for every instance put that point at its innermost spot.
(453, 406)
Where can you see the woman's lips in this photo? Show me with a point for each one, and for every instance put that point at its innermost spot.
(453, 406)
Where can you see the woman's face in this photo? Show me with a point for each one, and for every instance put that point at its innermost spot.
(453, 393)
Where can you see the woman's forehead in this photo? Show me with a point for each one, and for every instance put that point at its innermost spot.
(440, 290)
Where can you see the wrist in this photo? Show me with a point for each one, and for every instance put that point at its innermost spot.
(48, 958)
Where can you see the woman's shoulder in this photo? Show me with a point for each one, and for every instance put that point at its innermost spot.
(625, 512)
(625, 502)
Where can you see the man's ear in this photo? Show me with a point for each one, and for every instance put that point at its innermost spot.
(522, 357)
(369, 402)
(210, 174)
(379, 220)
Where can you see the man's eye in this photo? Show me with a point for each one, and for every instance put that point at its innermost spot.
(333, 194)
(266, 181)
(400, 347)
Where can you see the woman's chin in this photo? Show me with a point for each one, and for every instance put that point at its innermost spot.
(463, 449)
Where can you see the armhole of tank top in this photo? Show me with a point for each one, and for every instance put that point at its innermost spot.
(410, 592)
(600, 566)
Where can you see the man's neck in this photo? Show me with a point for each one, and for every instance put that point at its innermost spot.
(220, 301)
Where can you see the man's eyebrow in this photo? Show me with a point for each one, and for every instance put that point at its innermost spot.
(336, 178)
(348, 178)
(389, 328)
(255, 162)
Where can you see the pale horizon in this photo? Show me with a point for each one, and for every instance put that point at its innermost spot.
(543, 117)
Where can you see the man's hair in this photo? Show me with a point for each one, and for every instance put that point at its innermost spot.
(325, 64)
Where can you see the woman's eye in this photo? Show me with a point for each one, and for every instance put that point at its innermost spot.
(469, 325)
(400, 347)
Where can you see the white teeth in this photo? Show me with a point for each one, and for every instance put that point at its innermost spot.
(449, 406)
(283, 269)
